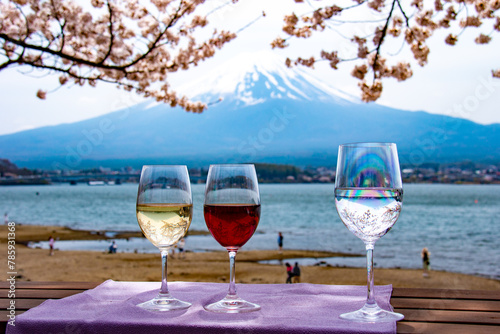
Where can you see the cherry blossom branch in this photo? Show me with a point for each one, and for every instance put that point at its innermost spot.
(413, 30)
(61, 37)
(60, 54)
(381, 40)
(402, 11)
(162, 34)
(111, 34)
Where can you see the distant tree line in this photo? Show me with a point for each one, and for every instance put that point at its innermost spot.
(463, 171)
(276, 173)
(7, 167)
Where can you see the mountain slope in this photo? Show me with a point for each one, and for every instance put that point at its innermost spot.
(267, 113)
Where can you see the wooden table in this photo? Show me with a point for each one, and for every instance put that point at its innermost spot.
(425, 310)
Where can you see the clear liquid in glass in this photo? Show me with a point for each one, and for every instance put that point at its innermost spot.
(369, 213)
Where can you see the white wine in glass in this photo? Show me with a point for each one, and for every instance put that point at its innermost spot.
(368, 197)
(164, 224)
(164, 212)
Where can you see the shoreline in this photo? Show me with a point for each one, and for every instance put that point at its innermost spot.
(27, 234)
(33, 233)
(211, 266)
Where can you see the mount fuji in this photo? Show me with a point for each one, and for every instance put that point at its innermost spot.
(259, 111)
(255, 78)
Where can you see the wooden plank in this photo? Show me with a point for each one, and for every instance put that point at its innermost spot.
(404, 327)
(51, 285)
(447, 304)
(21, 304)
(5, 313)
(40, 293)
(458, 317)
(446, 293)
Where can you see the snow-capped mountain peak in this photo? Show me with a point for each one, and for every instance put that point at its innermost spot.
(253, 78)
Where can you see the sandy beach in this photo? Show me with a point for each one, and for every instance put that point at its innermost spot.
(37, 265)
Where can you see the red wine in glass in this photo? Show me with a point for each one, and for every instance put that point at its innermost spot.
(232, 225)
(232, 213)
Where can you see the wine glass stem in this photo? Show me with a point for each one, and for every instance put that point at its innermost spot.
(370, 300)
(164, 285)
(232, 284)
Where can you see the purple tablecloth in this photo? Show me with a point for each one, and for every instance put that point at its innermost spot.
(286, 308)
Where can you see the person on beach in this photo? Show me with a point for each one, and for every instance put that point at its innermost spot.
(426, 261)
(112, 248)
(181, 245)
(296, 273)
(51, 245)
(6, 218)
(289, 272)
(280, 242)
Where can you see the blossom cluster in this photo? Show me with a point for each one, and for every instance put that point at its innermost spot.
(130, 43)
(413, 22)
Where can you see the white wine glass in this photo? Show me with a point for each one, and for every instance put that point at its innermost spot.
(232, 213)
(368, 197)
(164, 212)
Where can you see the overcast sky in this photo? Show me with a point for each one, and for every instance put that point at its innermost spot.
(457, 80)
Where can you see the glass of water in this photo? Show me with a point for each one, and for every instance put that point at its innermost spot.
(368, 197)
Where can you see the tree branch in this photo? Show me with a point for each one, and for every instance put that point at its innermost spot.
(381, 41)
(111, 34)
(7, 64)
(100, 65)
(407, 19)
(56, 41)
(60, 54)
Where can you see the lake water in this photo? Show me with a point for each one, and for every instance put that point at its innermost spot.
(460, 224)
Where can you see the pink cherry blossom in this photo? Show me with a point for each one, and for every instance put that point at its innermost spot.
(132, 44)
(411, 22)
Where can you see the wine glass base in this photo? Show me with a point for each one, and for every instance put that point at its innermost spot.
(232, 305)
(372, 314)
(164, 303)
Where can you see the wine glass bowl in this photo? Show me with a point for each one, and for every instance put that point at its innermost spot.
(164, 213)
(368, 213)
(232, 213)
(368, 198)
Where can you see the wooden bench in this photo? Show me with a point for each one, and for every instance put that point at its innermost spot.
(425, 310)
